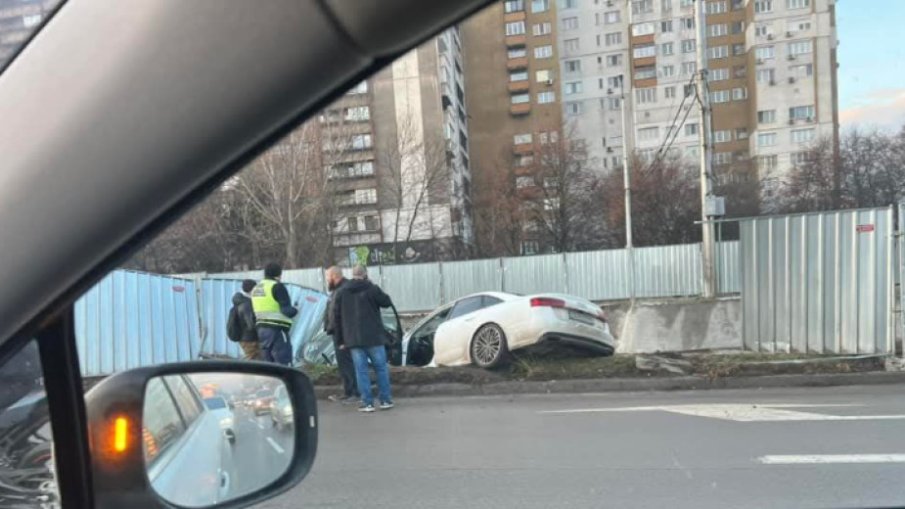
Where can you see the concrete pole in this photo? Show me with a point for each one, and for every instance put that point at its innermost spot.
(627, 181)
(707, 248)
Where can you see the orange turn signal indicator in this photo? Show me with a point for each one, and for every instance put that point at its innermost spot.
(120, 434)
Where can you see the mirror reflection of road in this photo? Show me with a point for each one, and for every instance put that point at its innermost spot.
(261, 452)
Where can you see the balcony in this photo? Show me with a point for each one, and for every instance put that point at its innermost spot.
(516, 40)
(520, 109)
(519, 86)
(515, 64)
(523, 149)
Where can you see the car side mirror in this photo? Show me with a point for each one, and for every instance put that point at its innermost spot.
(165, 436)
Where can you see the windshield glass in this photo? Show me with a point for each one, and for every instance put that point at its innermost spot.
(19, 20)
(214, 403)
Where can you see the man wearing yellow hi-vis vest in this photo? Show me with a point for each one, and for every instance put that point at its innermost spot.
(273, 316)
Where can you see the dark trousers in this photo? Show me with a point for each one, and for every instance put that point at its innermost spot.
(346, 370)
(275, 345)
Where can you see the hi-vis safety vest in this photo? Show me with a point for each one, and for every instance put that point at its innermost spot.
(267, 309)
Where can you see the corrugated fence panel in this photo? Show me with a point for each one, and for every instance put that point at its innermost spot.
(668, 271)
(309, 278)
(412, 287)
(728, 274)
(599, 275)
(132, 319)
(464, 278)
(535, 274)
(818, 282)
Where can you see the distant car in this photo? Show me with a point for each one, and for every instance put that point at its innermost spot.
(319, 349)
(281, 409)
(483, 328)
(261, 403)
(218, 406)
(183, 443)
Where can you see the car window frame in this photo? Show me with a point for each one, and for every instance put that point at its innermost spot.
(197, 403)
(473, 298)
(162, 458)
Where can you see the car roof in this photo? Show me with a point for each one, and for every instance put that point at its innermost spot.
(499, 295)
(118, 116)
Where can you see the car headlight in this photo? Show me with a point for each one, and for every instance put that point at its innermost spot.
(287, 410)
(226, 422)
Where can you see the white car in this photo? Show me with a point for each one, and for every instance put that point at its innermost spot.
(483, 328)
(219, 407)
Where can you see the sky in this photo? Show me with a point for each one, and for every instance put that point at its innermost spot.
(871, 65)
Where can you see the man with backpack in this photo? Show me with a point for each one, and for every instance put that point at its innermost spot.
(240, 325)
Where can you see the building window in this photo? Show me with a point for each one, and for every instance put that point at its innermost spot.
(666, 48)
(519, 98)
(573, 108)
(802, 71)
(612, 17)
(358, 114)
(801, 113)
(645, 73)
(716, 52)
(799, 25)
(722, 158)
(515, 28)
(571, 45)
(647, 50)
(762, 29)
(551, 204)
(361, 141)
(691, 129)
(739, 71)
(687, 23)
(543, 76)
(716, 7)
(517, 53)
(766, 139)
(613, 38)
(541, 5)
(737, 27)
(546, 97)
(524, 181)
(718, 30)
(689, 68)
(766, 76)
(570, 23)
(643, 29)
(802, 157)
(365, 196)
(572, 66)
(741, 133)
(352, 223)
(800, 48)
(648, 133)
(361, 88)
(646, 95)
(719, 96)
(738, 49)
(722, 136)
(766, 116)
(514, 5)
(543, 51)
(518, 76)
(572, 87)
(522, 139)
(719, 74)
(798, 4)
(614, 103)
(764, 53)
(524, 161)
(530, 247)
(767, 163)
(642, 6)
(548, 137)
(614, 60)
(541, 28)
(739, 93)
(802, 136)
(688, 46)
(666, 5)
(668, 71)
(761, 6)
(689, 90)
(666, 26)
(614, 82)
(372, 223)
(669, 92)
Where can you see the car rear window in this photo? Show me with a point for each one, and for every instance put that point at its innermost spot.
(214, 403)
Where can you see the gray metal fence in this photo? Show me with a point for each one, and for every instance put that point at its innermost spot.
(818, 282)
(660, 272)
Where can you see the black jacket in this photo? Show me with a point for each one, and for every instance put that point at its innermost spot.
(329, 316)
(247, 314)
(356, 314)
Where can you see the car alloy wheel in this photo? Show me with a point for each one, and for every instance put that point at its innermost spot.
(488, 348)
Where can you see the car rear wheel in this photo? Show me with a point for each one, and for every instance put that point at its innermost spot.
(488, 347)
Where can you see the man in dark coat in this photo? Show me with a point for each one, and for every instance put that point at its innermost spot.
(249, 344)
(360, 328)
(335, 281)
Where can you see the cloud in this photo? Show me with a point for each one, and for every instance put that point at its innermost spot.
(884, 109)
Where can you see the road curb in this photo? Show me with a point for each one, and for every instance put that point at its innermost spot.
(678, 383)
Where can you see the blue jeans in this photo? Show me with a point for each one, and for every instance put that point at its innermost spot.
(275, 345)
(378, 357)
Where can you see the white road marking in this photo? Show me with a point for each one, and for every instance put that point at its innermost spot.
(276, 447)
(742, 412)
(812, 459)
(261, 425)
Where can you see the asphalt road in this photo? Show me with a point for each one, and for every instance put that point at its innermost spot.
(817, 447)
(261, 453)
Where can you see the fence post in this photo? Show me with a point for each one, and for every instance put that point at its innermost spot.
(442, 288)
(565, 270)
(502, 275)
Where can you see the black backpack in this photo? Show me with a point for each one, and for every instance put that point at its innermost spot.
(234, 325)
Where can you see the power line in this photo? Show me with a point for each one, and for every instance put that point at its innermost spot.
(673, 129)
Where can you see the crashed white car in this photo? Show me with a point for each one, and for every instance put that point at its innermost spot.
(483, 328)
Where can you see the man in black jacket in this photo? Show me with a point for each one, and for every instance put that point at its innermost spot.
(335, 281)
(249, 344)
(360, 328)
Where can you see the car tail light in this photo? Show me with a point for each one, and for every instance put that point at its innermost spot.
(547, 302)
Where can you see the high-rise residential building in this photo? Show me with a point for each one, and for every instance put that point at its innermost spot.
(512, 67)
(396, 150)
(18, 20)
(771, 78)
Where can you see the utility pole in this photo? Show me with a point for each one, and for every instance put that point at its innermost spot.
(627, 182)
(707, 247)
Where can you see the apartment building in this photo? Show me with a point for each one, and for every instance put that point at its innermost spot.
(771, 79)
(512, 61)
(18, 20)
(395, 148)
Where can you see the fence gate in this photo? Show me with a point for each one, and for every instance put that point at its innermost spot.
(820, 282)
